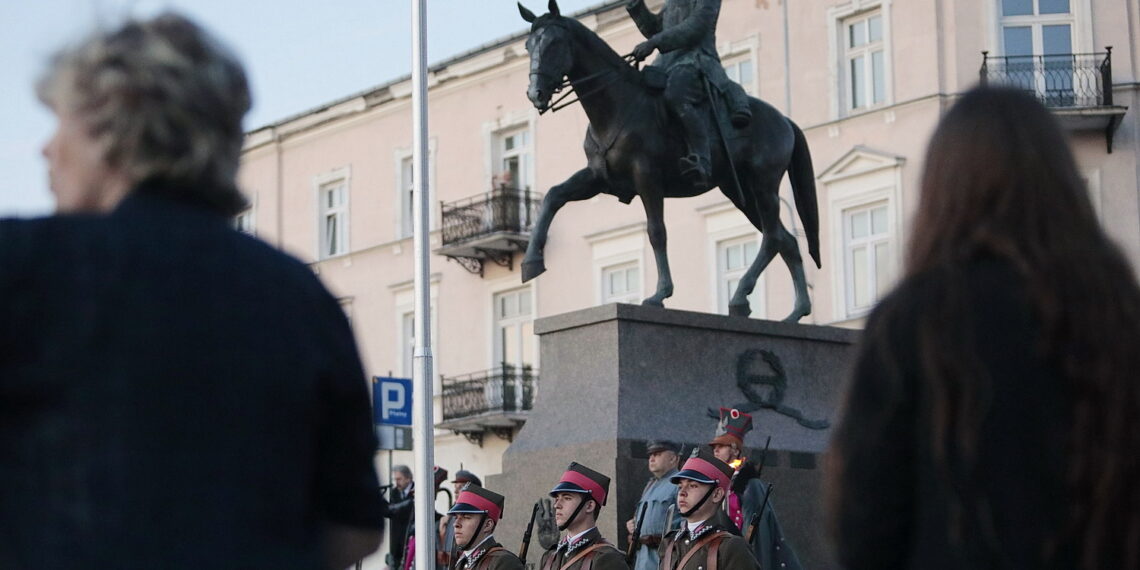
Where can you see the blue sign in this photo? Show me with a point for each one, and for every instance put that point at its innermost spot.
(392, 400)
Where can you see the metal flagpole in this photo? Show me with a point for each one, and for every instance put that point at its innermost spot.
(422, 420)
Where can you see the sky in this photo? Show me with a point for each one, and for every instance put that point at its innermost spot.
(298, 54)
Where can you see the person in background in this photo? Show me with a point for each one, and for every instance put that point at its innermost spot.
(173, 393)
(660, 502)
(748, 494)
(991, 417)
(401, 507)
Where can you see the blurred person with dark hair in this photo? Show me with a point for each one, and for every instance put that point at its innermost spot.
(173, 393)
(992, 417)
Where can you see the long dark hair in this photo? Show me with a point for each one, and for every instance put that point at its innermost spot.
(1000, 181)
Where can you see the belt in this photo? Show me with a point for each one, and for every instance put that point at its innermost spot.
(652, 540)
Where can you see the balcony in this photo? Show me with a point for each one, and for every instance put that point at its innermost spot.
(1077, 87)
(490, 226)
(495, 400)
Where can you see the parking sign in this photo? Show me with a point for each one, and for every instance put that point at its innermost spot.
(392, 400)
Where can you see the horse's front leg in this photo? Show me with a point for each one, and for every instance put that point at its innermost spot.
(582, 185)
(653, 200)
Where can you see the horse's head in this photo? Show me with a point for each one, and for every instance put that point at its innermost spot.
(549, 45)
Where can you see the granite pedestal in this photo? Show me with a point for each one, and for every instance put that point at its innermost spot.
(615, 376)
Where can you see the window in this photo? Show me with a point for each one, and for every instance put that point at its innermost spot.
(739, 69)
(1039, 28)
(243, 222)
(407, 343)
(512, 167)
(867, 255)
(334, 218)
(514, 328)
(734, 256)
(864, 62)
(621, 283)
(407, 198)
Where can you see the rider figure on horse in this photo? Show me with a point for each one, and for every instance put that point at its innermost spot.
(685, 34)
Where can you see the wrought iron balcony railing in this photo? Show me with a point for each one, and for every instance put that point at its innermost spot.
(504, 209)
(1060, 80)
(492, 226)
(502, 393)
(1077, 87)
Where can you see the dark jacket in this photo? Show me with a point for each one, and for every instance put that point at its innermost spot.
(897, 507)
(400, 511)
(606, 557)
(173, 394)
(732, 552)
(681, 30)
(769, 545)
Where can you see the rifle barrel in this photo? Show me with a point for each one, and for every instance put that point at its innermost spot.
(526, 534)
(631, 552)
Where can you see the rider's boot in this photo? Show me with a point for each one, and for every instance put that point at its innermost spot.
(740, 107)
(695, 166)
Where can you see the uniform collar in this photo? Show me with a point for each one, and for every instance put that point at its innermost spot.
(471, 557)
(579, 540)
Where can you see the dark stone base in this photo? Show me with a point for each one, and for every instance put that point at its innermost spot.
(615, 376)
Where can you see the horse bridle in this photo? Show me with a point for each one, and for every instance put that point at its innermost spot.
(565, 82)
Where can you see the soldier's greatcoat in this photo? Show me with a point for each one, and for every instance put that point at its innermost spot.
(490, 556)
(770, 547)
(659, 495)
(713, 547)
(596, 554)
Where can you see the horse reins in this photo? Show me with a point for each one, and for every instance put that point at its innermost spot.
(557, 104)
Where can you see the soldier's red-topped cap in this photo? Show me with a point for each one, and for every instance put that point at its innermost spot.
(732, 427)
(581, 479)
(474, 499)
(703, 467)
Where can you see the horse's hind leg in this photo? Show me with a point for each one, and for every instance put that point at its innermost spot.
(776, 240)
(582, 185)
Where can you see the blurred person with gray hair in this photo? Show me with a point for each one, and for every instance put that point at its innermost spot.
(173, 393)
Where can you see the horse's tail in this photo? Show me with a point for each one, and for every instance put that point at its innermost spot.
(802, 176)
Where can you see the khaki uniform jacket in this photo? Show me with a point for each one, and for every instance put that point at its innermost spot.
(487, 558)
(732, 552)
(607, 557)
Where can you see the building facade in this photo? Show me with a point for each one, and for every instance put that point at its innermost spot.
(867, 81)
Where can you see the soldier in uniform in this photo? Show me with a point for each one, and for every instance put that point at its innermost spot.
(748, 494)
(578, 498)
(446, 544)
(660, 500)
(685, 35)
(477, 512)
(707, 539)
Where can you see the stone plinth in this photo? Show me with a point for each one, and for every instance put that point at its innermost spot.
(615, 376)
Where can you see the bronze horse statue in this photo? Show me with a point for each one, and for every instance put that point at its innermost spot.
(632, 150)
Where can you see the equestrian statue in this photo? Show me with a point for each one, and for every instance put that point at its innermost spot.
(674, 129)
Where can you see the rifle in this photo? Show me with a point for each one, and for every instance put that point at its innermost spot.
(631, 552)
(526, 534)
(756, 518)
